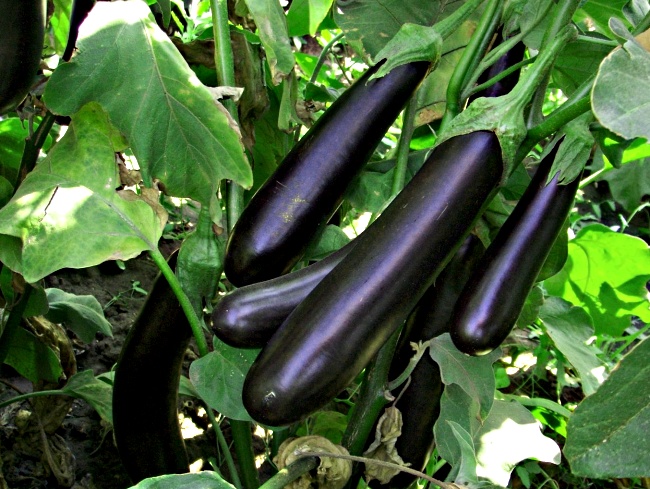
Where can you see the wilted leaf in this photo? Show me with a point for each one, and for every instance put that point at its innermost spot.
(200, 480)
(607, 435)
(67, 213)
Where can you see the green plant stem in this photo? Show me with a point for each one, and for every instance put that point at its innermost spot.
(563, 115)
(643, 26)
(413, 362)
(243, 438)
(33, 146)
(403, 146)
(225, 66)
(291, 472)
(470, 57)
(13, 323)
(471, 91)
(539, 402)
(372, 398)
(223, 444)
(323, 56)
(29, 395)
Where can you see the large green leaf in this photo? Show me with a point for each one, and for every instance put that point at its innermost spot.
(32, 358)
(608, 433)
(219, 378)
(605, 273)
(375, 23)
(620, 97)
(84, 385)
(576, 63)
(570, 329)
(67, 212)
(599, 12)
(272, 26)
(174, 127)
(305, 16)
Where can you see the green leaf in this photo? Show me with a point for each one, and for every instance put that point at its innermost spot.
(466, 473)
(370, 191)
(13, 133)
(473, 374)
(574, 151)
(608, 433)
(95, 392)
(530, 311)
(605, 273)
(375, 24)
(200, 262)
(328, 424)
(219, 376)
(509, 435)
(578, 61)
(67, 212)
(332, 238)
(570, 329)
(630, 183)
(599, 12)
(174, 127)
(305, 16)
(60, 24)
(6, 191)
(272, 26)
(621, 92)
(33, 359)
(83, 314)
(200, 480)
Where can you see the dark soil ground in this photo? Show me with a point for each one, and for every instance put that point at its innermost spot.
(80, 446)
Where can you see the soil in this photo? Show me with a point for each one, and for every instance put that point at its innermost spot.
(81, 449)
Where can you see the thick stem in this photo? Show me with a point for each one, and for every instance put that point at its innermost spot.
(184, 301)
(242, 436)
(291, 472)
(33, 146)
(403, 146)
(372, 398)
(471, 54)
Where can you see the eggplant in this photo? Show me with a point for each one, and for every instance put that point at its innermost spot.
(342, 323)
(494, 296)
(145, 387)
(290, 208)
(22, 31)
(80, 10)
(247, 317)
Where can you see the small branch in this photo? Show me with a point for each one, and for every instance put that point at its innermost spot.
(243, 440)
(388, 465)
(323, 56)
(403, 146)
(33, 146)
(223, 444)
(30, 395)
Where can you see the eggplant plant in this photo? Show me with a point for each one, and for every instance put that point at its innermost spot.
(370, 261)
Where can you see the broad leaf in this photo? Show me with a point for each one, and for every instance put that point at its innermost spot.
(374, 24)
(570, 329)
(67, 212)
(200, 480)
(605, 273)
(621, 92)
(599, 13)
(272, 26)
(331, 239)
(574, 151)
(32, 358)
(13, 133)
(84, 385)
(305, 16)
(174, 127)
(83, 314)
(219, 378)
(472, 374)
(509, 435)
(466, 472)
(630, 183)
(576, 63)
(607, 434)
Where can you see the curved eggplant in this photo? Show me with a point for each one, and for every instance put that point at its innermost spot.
(493, 298)
(145, 387)
(343, 322)
(248, 316)
(286, 213)
(22, 31)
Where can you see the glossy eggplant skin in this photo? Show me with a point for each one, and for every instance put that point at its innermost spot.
(493, 298)
(419, 403)
(287, 212)
(247, 317)
(80, 10)
(145, 388)
(343, 322)
(22, 31)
